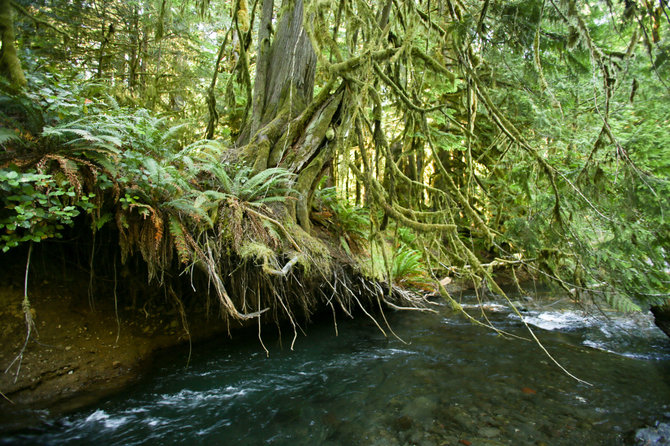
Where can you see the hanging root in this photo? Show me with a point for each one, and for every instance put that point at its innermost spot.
(496, 289)
(28, 315)
(7, 398)
(184, 321)
(116, 304)
(366, 293)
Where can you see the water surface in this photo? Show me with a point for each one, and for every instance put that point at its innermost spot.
(449, 382)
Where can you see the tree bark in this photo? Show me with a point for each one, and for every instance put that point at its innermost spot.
(284, 74)
(10, 65)
(290, 79)
(264, 34)
(288, 127)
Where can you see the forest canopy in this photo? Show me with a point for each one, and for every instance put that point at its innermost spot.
(408, 140)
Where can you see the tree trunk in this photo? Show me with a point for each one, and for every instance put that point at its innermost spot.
(10, 65)
(284, 72)
(134, 36)
(288, 127)
(105, 35)
(291, 66)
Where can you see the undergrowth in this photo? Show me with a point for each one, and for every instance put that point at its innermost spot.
(186, 213)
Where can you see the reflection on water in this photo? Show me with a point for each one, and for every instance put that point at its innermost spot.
(452, 383)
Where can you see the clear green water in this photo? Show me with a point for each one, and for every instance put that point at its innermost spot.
(454, 383)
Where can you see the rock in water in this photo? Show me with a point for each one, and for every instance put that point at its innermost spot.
(488, 432)
(654, 436)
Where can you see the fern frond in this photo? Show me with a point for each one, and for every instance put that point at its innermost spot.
(270, 182)
(107, 149)
(214, 195)
(224, 179)
(49, 131)
(172, 132)
(85, 134)
(151, 166)
(205, 148)
(115, 140)
(7, 135)
(179, 240)
(188, 207)
(112, 102)
(241, 177)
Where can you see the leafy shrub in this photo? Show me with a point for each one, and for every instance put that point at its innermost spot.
(36, 207)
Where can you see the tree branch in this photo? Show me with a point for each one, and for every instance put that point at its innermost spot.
(38, 21)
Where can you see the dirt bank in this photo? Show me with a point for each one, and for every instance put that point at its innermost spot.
(76, 355)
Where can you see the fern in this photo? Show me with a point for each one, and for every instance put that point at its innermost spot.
(189, 208)
(224, 180)
(7, 135)
(179, 240)
(85, 134)
(270, 182)
(407, 268)
(172, 133)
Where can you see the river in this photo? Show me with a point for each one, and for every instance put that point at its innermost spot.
(444, 382)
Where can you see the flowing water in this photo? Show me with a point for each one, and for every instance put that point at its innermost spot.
(451, 383)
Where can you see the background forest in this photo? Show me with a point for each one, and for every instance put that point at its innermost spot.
(401, 141)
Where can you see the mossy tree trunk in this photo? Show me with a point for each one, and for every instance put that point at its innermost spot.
(289, 127)
(10, 65)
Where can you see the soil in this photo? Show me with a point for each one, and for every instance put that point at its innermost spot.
(76, 354)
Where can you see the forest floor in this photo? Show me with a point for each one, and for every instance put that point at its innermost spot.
(76, 355)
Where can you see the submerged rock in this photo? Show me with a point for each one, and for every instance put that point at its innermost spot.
(402, 423)
(650, 436)
(488, 432)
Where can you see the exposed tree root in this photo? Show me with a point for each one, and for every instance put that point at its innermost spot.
(30, 322)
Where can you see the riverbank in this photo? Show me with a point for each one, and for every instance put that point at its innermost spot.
(83, 347)
(76, 354)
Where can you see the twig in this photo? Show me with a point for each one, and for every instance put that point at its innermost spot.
(25, 12)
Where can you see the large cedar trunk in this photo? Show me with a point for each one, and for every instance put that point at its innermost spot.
(289, 127)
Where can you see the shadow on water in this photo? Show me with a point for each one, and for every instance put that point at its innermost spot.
(450, 382)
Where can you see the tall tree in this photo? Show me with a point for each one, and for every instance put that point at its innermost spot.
(435, 100)
(10, 65)
(524, 132)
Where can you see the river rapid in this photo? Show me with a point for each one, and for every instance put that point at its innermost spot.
(441, 381)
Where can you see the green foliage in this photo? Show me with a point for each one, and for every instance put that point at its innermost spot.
(268, 186)
(534, 131)
(88, 144)
(350, 223)
(36, 207)
(408, 268)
